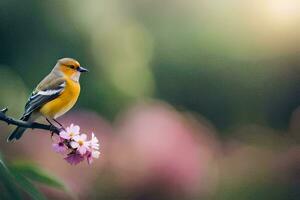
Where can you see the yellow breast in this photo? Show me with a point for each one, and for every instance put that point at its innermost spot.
(64, 102)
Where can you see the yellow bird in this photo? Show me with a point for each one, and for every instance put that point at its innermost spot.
(56, 94)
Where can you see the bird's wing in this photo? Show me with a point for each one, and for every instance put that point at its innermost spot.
(49, 88)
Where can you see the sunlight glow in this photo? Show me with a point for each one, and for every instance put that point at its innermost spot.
(283, 11)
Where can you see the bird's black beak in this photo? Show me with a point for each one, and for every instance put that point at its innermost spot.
(82, 69)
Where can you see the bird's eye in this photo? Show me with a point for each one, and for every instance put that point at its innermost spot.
(72, 66)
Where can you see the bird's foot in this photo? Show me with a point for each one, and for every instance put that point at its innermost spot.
(61, 126)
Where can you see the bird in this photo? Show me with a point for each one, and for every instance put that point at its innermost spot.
(55, 95)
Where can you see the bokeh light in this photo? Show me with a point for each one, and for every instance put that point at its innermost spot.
(283, 11)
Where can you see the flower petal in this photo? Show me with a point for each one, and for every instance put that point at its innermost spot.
(83, 137)
(68, 129)
(75, 129)
(77, 138)
(94, 138)
(74, 145)
(81, 150)
(64, 135)
(95, 154)
(59, 148)
(95, 147)
(74, 159)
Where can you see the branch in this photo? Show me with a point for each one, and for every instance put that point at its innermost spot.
(25, 124)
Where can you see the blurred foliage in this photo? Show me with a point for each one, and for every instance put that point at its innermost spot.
(17, 178)
(35, 174)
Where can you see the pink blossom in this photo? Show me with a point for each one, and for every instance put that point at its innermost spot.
(59, 147)
(94, 142)
(80, 143)
(74, 158)
(70, 132)
(72, 141)
(91, 155)
(171, 151)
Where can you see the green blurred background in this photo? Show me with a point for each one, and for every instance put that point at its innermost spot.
(231, 64)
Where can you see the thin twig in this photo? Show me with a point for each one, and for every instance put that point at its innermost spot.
(21, 123)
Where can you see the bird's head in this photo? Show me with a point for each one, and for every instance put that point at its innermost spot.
(69, 67)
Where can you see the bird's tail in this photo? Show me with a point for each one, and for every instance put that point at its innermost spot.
(18, 132)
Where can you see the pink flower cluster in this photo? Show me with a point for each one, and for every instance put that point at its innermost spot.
(76, 146)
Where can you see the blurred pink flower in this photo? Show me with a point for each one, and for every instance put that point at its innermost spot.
(157, 146)
(74, 159)
(70, 132)
(77, 146)
(94, 142)
(91, 155)
(80, 143)
(59, 147)
(93, 149)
